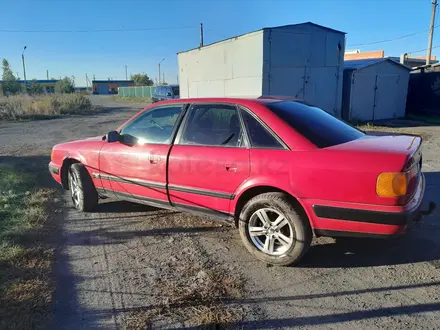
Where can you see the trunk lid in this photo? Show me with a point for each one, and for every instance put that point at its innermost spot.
(401, 144)
(407, 147)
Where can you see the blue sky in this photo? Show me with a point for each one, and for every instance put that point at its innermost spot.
(174, 27)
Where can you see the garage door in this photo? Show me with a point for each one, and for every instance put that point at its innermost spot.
(362, 96)
(103, 89)
(386, 94)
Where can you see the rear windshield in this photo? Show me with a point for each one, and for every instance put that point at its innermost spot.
(176, 90)
(319, 127)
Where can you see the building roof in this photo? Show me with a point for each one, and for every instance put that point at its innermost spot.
(266, 28)
(39, 81)
(360, 64)
(113, 81)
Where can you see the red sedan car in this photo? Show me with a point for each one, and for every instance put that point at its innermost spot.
(279, 169)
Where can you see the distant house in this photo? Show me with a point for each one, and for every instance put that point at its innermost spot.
(105, 87)
(411, 61)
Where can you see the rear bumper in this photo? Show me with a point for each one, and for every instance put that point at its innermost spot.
(367, 220)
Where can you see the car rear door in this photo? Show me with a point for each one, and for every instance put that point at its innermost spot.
(135, 168)
(209, 159)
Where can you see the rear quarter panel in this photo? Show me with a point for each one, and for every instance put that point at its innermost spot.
(322, 175)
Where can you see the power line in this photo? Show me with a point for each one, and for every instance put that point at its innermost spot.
(394, 39)
(98, 30)
(423, 50)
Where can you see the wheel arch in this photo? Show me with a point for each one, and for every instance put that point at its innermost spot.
(251, 192)
(67, 162)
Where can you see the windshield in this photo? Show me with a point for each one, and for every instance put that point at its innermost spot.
(319, 127)
(175, 90)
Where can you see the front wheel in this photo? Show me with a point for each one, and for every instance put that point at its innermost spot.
(273, 230)
(82, 189)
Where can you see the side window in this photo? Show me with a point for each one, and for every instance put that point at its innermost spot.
(258, 135)
(213, 125)
(154, 126)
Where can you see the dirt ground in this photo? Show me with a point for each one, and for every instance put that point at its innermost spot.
(117, 267)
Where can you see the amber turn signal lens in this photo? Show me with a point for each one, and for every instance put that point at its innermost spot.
(391, 184)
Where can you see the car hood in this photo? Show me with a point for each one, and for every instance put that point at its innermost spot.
(78, 142)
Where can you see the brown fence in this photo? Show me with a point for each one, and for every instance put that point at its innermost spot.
(423, 93)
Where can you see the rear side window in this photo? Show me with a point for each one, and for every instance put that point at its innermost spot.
(258, 135)
(316, 125)
(213, 125)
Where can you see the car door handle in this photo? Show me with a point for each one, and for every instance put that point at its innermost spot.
(153, 159)
(231, 167)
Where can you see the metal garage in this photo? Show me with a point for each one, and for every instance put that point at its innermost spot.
(374, 89)
(301, 60)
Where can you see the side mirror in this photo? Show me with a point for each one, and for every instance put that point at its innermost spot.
(112, 136)
(169, 94)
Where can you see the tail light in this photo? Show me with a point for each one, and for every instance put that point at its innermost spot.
(398, 184)
(392, 184)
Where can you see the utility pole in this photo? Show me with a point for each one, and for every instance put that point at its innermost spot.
(126, 75)
(431, 32)
(47, 74)
(159, 68)
(201, 34)
(24, 69)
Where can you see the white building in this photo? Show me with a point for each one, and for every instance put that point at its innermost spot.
(301, 60)
(374, 89)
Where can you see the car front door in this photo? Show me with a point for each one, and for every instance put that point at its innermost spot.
(209, 159)
(135, 168)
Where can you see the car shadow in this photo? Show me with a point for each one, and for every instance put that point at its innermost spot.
(115, 206)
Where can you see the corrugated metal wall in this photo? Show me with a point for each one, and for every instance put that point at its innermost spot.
(228, 68)
(138, 91)
(305, 61)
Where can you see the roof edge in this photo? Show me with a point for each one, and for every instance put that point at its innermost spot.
(262, 29)
(380, 60)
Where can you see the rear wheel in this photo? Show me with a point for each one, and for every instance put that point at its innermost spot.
(273, 230)
(82, 189)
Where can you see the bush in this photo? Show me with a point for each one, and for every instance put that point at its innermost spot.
(25, 106)
(65, 85)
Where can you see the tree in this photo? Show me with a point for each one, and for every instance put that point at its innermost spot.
(65, 85)
(35, 88)
(141, 79)
(10, 82)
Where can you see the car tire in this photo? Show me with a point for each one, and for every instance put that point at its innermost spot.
(82, 190)
(287, 228)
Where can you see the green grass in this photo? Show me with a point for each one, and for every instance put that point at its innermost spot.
(26, 285)
(133, 99)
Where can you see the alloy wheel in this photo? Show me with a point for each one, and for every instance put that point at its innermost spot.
(74, 189)
(271, 232)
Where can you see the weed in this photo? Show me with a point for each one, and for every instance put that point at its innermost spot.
(27, 107)
(197, 297)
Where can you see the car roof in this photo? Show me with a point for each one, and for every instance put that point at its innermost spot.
(260, 99)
